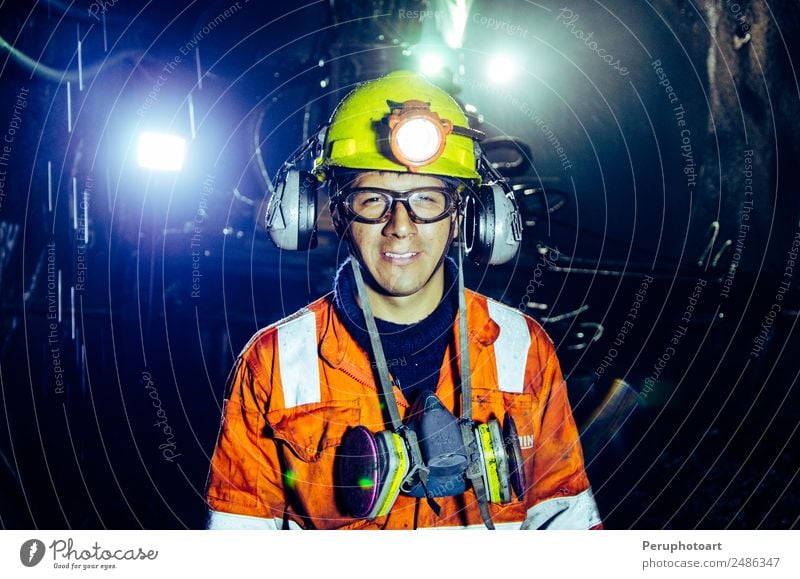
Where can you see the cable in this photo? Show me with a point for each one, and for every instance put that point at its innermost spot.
(55, 75)
(710, 247)
(262, 168)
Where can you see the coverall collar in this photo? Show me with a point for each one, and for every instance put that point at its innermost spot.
(336, 341)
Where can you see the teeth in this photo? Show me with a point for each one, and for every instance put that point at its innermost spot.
(399, 255)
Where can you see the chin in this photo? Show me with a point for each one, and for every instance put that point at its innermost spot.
(399, 290)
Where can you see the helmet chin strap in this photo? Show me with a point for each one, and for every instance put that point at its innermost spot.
(390, 402)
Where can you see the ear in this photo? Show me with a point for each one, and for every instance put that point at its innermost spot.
(456, 220)
(339, 221)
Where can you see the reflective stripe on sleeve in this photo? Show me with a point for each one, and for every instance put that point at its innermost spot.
(297, 355)
(219, 521)
(481, 527)
(511, 347)
(577, 512)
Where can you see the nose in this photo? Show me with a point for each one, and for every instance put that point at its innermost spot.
(399, 224)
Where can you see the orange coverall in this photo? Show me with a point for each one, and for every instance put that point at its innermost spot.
(300, 383)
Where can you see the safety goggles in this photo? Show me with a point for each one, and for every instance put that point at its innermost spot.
(423, 204)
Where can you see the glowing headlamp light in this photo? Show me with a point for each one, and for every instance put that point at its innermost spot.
(417, 135)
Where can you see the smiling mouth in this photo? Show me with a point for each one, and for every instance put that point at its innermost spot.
(406, 255)
(400, 257)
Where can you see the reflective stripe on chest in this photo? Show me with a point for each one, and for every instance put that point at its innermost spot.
(298, 358)
(510, 348)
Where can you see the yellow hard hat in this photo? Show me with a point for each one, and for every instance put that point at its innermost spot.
(403, 123)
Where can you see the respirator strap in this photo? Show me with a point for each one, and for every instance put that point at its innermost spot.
(390, 402)
(467, 427)
(377, 350)
(474, 473)
(463, 340)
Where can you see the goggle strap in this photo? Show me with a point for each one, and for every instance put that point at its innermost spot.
(473, 134)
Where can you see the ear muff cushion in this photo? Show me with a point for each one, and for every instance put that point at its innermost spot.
(478, 226)
(307, 211)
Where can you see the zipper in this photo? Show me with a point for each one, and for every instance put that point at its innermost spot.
(372, 386)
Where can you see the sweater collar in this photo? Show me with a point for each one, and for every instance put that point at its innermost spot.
(337, 337)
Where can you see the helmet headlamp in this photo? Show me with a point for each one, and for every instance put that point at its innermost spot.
(417, 136)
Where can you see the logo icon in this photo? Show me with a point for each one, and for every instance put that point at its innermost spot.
(32, 552)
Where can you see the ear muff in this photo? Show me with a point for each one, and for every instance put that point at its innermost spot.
(492, 225)
(291, 218)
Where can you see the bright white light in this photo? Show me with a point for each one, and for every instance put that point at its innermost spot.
(431, 64)
(418, 140)
(454, 26)
(160, 152)
(501, 69)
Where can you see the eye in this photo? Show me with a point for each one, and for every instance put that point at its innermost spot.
(366, 200)
(429, 198)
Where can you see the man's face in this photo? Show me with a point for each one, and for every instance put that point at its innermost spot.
(400, 255)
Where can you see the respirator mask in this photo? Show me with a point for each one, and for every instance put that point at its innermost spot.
(374, 468)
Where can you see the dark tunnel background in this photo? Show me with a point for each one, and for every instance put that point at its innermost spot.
(653, 151)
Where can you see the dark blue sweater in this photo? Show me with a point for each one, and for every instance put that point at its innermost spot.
(414, 352)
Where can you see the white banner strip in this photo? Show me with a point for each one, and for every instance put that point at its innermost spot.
(136, 554)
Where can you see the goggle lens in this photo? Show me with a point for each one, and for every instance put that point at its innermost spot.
(424, 205)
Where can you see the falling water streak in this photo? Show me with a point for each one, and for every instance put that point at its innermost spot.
(83, 369)
(108, 186)
(50, 186)
(72, 308)
(199, 68)
(80, 60)
(85, 218)
(105, 34)
(59, 296)
(69, 107)
(191, 115)
(75, 203)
